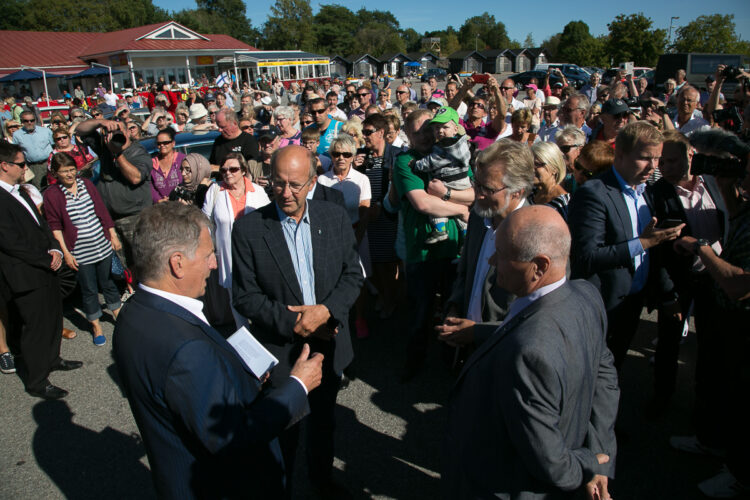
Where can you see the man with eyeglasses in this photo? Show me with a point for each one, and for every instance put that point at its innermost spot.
(425, 94)
(503, 180)
(364, 98)
(29, 260)
(329, 129)
(614, 116)
(573, 112)
(37, 144)
(687, 121)
(296, 275)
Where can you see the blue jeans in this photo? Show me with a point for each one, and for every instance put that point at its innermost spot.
(92, 277)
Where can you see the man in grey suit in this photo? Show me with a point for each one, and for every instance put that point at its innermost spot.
(503, 179)
(532, 413)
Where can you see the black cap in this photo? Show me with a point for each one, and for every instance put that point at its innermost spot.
(269, 133)
(615, 107)
(710, 78)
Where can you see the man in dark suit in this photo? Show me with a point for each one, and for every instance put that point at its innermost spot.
(612, 228)
(209, 430)
(324, 193)
(532, 413)
(696, 201)
(296, 274)
(29, 259)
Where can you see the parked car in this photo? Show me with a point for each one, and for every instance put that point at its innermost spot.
(439, 73)
(523, 79)
(187, 142)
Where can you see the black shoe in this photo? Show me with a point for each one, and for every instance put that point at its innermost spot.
(49, 392)
(66, 365)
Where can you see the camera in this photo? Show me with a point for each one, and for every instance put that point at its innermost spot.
(729, 118)
(717, 166)
(184, 194)
(118, 140)
(730, 72)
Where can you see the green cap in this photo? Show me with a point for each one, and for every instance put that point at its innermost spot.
(444, 115)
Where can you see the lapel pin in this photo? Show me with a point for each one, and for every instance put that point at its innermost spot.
(320, 231)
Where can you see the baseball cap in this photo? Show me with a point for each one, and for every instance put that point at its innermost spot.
(615, 107)
(710, 78)
(439, 101)
(557, 84)
(444, 115)
(209, 97)
(532, 86)
(269, 133)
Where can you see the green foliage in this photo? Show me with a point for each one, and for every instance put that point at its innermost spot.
(576, 45)
(219, 16)
(381, 17)
(631, 38)
(449, 42)
(529, 41)
(483, 32)
(377, 39)
(412, 39)
(335, 26)
(289, 26)
(551, 45)
(714, 33)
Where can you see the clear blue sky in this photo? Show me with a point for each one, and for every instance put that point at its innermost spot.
(551, 15)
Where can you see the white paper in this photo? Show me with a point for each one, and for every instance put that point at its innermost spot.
(252, 352)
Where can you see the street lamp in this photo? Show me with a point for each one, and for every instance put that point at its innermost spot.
(671, 19)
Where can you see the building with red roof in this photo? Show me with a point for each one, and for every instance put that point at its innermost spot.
(165, 50)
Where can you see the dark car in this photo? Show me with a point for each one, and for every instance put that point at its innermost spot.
(439, 73)
(187, 142)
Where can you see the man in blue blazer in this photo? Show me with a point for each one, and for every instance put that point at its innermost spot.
(296, 274)
(532, 413)
(613, 229)
(209, 429)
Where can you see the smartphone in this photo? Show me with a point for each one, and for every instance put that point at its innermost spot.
(480, 78)
(668, 223)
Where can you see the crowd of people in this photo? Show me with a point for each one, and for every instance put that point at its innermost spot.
(536, 227)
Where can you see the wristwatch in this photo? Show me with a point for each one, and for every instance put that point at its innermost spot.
(447, 195)
(700, 242)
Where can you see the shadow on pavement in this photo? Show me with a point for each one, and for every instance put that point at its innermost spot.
(87, 464)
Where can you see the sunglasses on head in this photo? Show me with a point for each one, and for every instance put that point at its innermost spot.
(338, 154)
(567, 148)
(224, 170)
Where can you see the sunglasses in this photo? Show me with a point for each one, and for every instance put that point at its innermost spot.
(96, 114)
(28, 121)
(61, 137)
(224, 170)
(164, 143)
(132, 127)
(307, 122)
(317, 111)
(18, 164)
(368, 132)
(363, 95)
(339, 154)
(477, 105)
(567, 148)
(507, 88)
(246, 127)
(13, 126)
(402, 92)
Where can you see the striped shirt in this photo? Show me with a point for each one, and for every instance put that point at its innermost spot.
(91, 245)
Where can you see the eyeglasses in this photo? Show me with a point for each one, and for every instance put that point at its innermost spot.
(13, 126)
(67, 171)
(568, 147)
(294, 188)
(28, 121)
(402, 92)
(61, 137)
(317, 111)
(367, 132)
(507, 88)
(486, 189)
(363, 94)
(164, 143)
(187, 170)
(339, 154)
(18, 164)
(132, 127)
(246, 127)
(307, 123)
(57, 123)
(224, 170)
(586, 173)
(477, 105)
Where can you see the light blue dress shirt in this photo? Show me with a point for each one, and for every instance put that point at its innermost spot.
(37, 145)
(640, 216)
(299, 243)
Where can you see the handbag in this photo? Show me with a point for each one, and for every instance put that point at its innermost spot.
(117, 269)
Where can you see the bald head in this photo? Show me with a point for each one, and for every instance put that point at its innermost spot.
(532, 248)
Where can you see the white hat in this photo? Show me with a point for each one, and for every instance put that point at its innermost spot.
(198, 111)
(551, 101)
(266, 100)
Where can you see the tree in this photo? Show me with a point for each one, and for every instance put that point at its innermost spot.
(377, 39)
(335, 26)
(483, 32)
(412, 39)
(382, 17)
(632, 39)
(449, 42)
(529, 41)
(714, 33)
(577, 46)
(219, 16)
(551, 45)
(81, 15)
(289, 26)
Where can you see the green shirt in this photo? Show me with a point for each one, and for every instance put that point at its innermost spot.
(417, 225)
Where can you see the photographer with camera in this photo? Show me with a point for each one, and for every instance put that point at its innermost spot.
(726, 381)
(729, 118)
(125, 172)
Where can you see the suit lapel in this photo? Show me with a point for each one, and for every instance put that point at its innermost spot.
(15, 204)
(615, 195)
(318, 238)
(276, 242)
(161, 304)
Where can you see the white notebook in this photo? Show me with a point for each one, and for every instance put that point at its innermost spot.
(252, 352)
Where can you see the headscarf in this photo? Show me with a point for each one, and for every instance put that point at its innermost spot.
(199, 168)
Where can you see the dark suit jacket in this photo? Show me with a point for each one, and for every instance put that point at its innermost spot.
(535, 403)
(667, 205)
(600, 228)
(324, 193)
(208, 430)
(264, 282)
(24, 245)
(495, 300)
